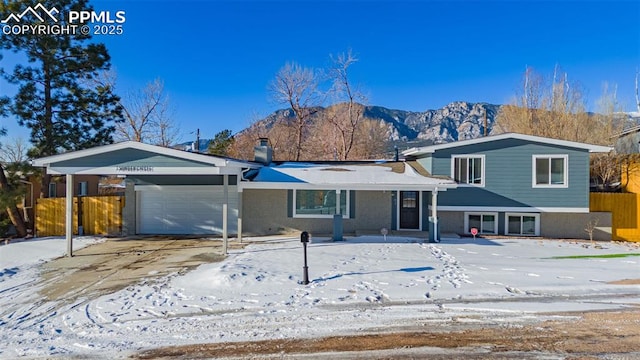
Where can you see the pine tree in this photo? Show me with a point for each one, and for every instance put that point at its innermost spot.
(221, 143)
(56, 98)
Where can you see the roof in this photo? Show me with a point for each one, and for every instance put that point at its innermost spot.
(531, 138)
(203, 158)
(371, 176)
(627, 131)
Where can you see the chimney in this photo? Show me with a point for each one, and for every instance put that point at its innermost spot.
(263, 152)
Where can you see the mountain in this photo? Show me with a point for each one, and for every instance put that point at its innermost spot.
(458, 120)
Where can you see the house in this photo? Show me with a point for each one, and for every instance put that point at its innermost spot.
(514, 184)
(628, 145)
(170, 191)
(506, 184)
(83, 185)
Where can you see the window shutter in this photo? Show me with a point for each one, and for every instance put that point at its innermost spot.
(352, 203)
(290, 203)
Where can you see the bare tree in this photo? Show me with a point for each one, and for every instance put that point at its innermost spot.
(147, 113)
(556, 110)
(372, 137)
(347, 115)
(148, 116)
(14, 151)
(297, 87)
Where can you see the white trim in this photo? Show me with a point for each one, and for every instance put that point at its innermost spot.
(482, 158)
(565, 169)
(353, 186)
(572, 144)
(322, 216)
(144, 170)
(207, 159)
(495, 225)
(513, 209)
(419, 210)
(521, 214)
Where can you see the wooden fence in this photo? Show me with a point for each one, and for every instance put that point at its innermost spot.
(625, 213)
(98, 215)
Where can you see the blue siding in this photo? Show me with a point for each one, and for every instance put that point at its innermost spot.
(130, 157)
(508, 176)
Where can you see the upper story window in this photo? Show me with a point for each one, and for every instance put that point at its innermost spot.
(550, 170)
(468, 169)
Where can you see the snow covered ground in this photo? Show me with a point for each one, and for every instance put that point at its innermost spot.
(363, 284)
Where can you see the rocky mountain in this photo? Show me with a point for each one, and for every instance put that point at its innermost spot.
(459, 120)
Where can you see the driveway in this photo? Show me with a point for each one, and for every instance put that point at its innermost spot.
(117, 263)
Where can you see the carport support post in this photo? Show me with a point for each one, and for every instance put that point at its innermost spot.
(69, 215)
(225, 217)
(239, 213)
(434, 213)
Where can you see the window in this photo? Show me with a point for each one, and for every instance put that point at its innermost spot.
(468, 169)
(82, 188)
(550, 170)
(319, 203)
(486, 223)
(522, 224)
(409, 199)
(52, 190)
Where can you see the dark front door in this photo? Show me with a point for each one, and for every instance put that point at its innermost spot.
(409, 210)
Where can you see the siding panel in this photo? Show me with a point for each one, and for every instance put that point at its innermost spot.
(508, 176)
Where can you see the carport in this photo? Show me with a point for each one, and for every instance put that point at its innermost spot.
(175, 192)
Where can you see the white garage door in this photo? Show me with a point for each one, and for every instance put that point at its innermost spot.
(184, 209)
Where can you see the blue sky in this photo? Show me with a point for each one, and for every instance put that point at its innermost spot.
(217, 58)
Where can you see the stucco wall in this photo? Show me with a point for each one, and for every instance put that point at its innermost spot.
(451, 222)
(572, 226)
(265, 212)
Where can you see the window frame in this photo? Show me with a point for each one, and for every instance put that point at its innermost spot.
(83, 188)
(480, 230)
(343, 193)
(565, 169)
(521, 215)
(483, 175)
(53, 190)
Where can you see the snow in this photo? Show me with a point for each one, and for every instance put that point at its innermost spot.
(362, 284)
(374, 176)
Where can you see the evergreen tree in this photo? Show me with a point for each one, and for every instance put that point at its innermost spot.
(56, 98)
(221, 143)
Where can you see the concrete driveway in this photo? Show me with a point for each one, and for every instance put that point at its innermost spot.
(117, 263)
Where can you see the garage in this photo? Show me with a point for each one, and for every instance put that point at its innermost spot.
(184, 209)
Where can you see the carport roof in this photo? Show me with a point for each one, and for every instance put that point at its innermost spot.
(71, 162)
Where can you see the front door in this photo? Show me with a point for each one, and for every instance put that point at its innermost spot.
(409, 210)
